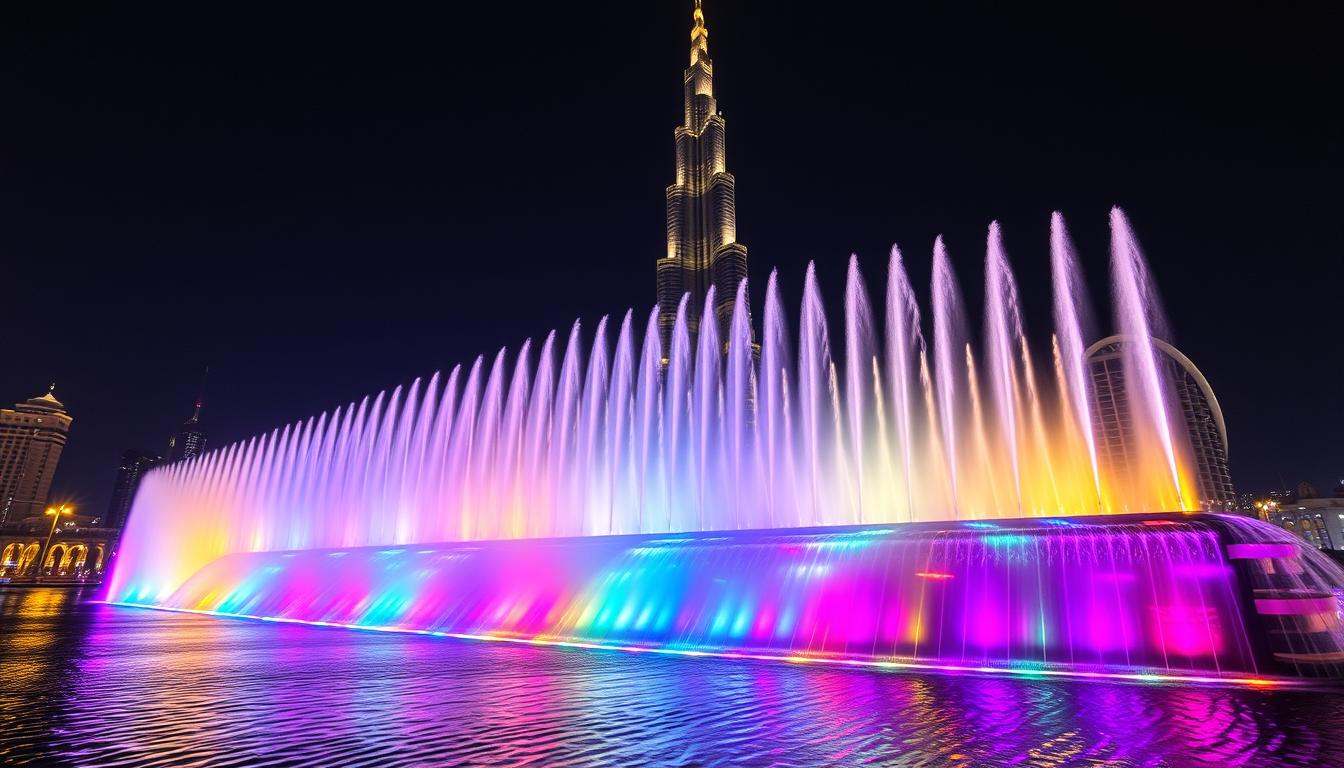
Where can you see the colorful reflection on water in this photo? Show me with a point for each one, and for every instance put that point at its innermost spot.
(90, 684)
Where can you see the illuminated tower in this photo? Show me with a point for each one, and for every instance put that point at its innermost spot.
(702, 247)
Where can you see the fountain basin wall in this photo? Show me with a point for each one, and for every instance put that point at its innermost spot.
(1201, 595)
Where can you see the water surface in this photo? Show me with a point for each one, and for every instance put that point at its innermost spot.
(95, 685)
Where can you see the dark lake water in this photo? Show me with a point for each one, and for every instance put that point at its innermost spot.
(95, 685)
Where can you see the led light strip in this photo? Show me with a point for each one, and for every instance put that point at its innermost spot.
(1141, 677)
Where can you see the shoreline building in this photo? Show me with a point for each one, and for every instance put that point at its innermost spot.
(702, 247)
(1316, 518)
(1201, 414)
(32, 437)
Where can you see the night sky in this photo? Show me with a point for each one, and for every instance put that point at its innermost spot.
(322, 200)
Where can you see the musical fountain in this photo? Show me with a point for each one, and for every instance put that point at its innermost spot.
(933, 506)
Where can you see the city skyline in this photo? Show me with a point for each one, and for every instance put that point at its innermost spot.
(969, 464)
(276, 374)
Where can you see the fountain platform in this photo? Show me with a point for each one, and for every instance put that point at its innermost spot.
(1145, 597)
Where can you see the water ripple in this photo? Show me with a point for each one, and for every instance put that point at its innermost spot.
(96, 685)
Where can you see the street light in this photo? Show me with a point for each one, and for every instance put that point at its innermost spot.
(55, 512)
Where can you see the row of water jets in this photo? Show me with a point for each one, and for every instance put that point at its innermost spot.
(879, 426)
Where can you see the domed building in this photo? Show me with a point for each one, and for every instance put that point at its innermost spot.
(32, 437)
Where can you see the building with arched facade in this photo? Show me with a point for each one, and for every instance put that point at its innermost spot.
(79, 552)
(1201, 416)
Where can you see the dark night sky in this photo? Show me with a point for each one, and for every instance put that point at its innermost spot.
(321, 200)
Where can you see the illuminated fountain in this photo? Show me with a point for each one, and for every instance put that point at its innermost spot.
(876, 510)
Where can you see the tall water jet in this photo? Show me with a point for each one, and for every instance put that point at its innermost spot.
(512, 466)
(814, 396)
(460, 501)
(1073, 324)
(570, 509)
(740, 418)
(676, 418)
(649, 464)
(1139, 318)
(905, 345)
(538, 437)
(707, 405)
(949, 332)
(483, 472)
(594, 437)
(860, 356)
(1003, 334)
(776, 442)
(620, 418)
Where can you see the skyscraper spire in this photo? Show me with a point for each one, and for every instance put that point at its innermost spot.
(699, 36)
(702, 247)
(200, 396)
(189, 441)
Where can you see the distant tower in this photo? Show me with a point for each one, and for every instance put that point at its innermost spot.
(190, 439)
(1202, 417)
(133, 466)
(32, 436)
(702, 247)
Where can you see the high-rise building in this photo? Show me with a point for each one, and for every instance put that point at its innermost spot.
(702, 247)
(133, 466)
(32, 436)
(190, 439)
(1201, 416)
